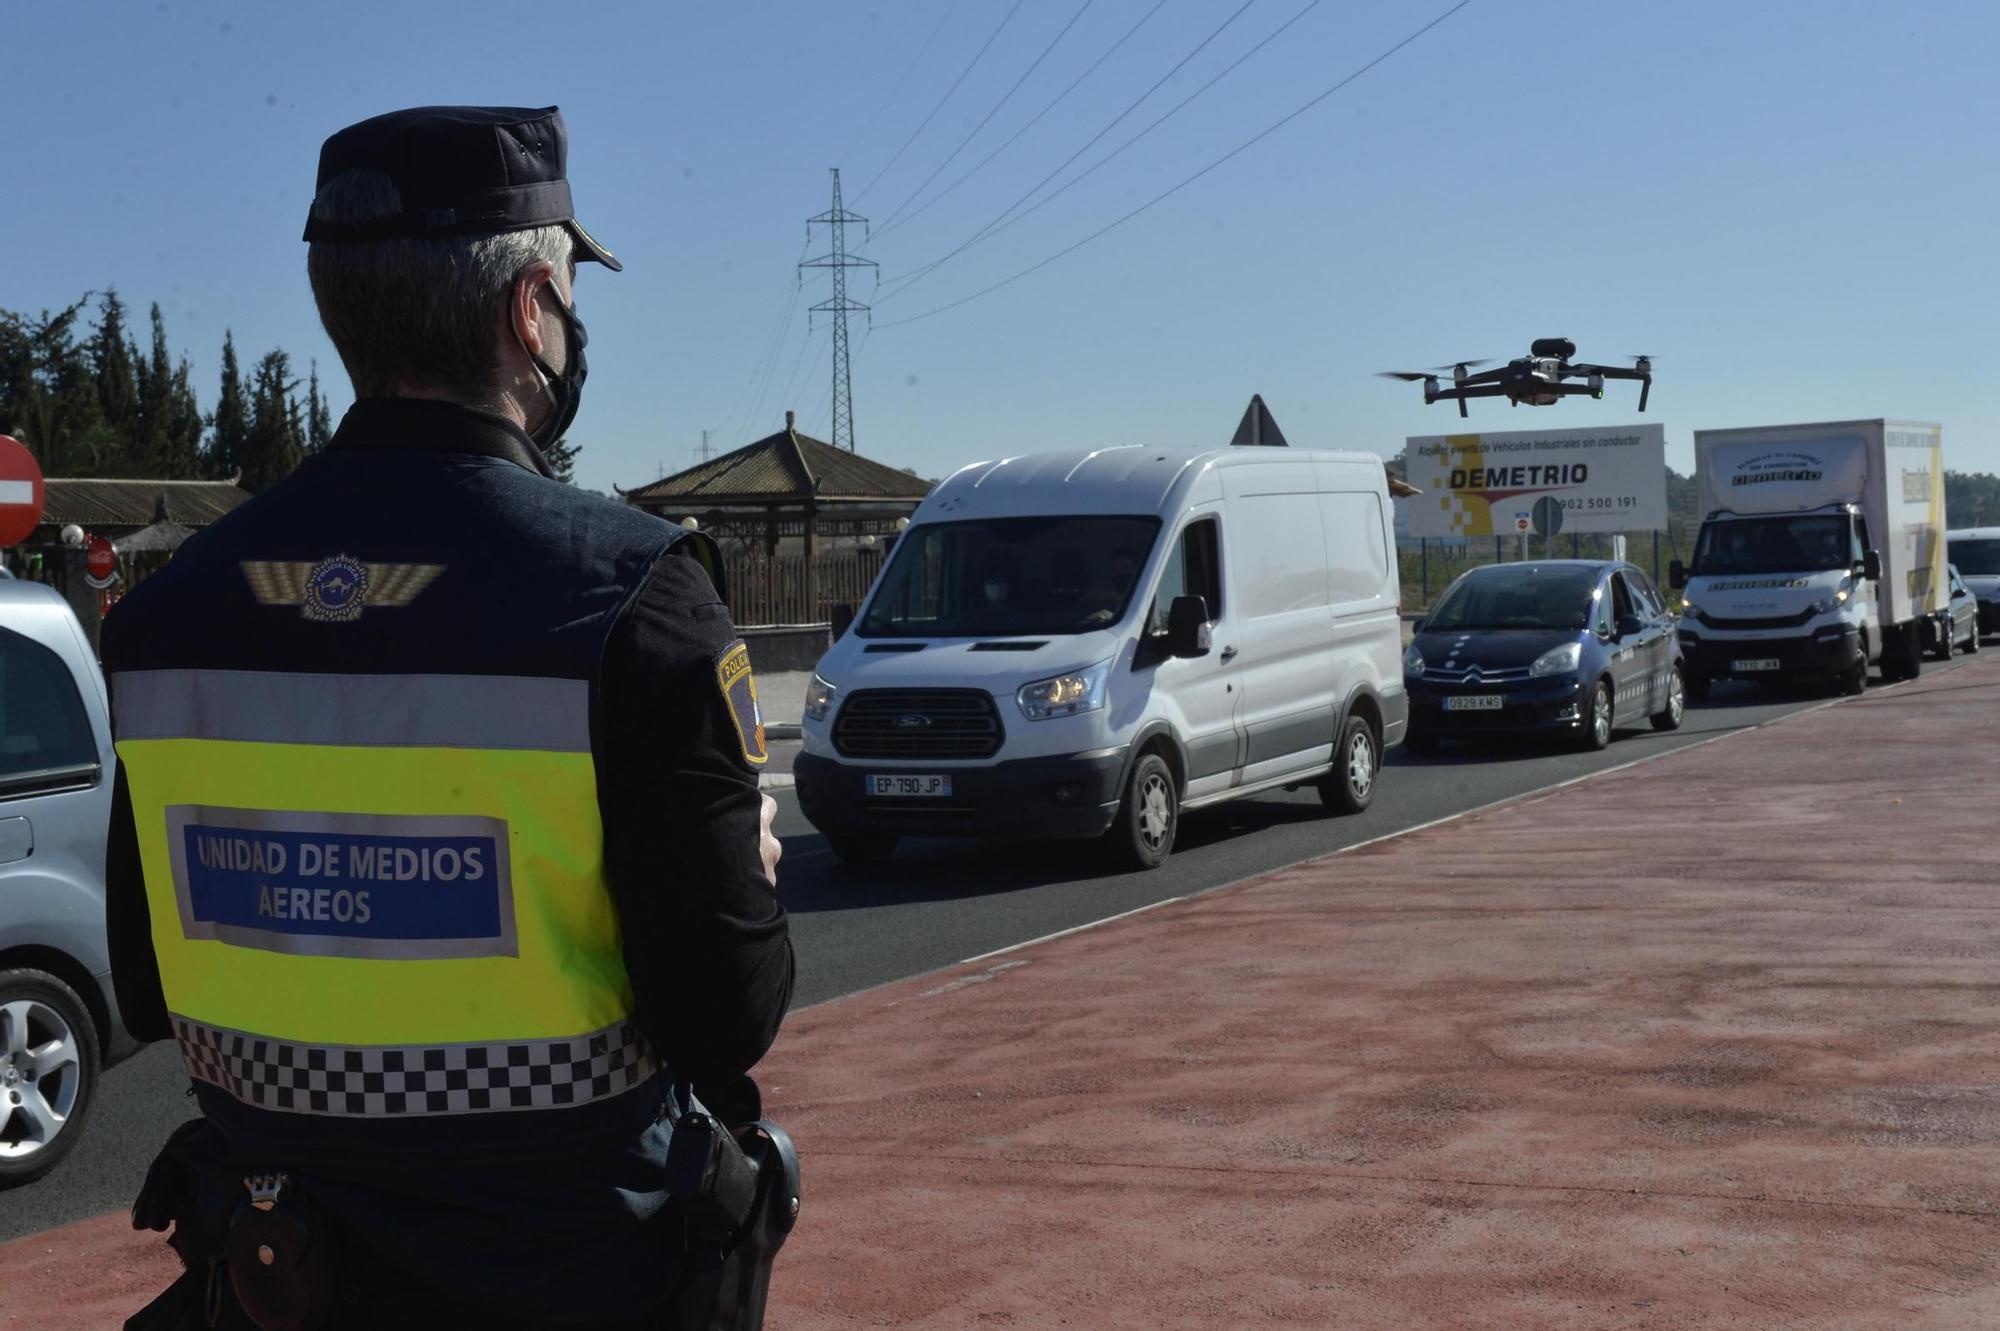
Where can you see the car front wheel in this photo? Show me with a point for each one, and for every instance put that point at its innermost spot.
(48, 1073)
(1596, 731)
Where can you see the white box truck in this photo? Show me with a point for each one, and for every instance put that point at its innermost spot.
(1821, 550)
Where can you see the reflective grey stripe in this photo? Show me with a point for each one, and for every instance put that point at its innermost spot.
(430, 711)
(367, 1081)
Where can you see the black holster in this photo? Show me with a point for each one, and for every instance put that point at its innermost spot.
(257, 1260)
(739, 1191)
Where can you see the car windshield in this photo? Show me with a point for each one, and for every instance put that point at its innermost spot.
(1517, 596)
(1009, 577)
(1775, 545)
(1977, 558)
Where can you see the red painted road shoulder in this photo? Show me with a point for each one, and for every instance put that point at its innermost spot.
(1710, 1041)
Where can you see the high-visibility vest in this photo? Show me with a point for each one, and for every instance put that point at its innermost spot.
(359, 750)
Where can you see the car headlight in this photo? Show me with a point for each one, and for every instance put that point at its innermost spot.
(1065, 695)
(819, 699)
(1561, 660)
(1413, 661)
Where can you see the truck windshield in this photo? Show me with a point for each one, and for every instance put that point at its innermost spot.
(1517, 596)
(1795, 544)
(1010, 577)
(1977, 559)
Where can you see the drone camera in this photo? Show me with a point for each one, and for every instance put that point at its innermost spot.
(1559, 347)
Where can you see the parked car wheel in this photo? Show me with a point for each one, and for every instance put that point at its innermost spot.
(1596, 730)
(1350, 786)
(857, 847)
(48, 1073)
(1669, 717)
(1972, 640)
(1142, 835)
(1941, 650)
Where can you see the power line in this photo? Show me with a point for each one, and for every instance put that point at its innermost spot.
(1004, 98)
(1161, 197)
(1087, 172)
(793, 382)
(1033, 120)
(783, 323)
(908, 70)
(942, 100)
(980, 234)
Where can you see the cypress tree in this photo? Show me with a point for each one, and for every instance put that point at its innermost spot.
(277, 435)
(115, 368)
(229, 427)
(319, 418)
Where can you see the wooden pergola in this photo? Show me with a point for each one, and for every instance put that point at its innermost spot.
(786, 485)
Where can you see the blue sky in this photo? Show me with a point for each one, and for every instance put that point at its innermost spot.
(1790, 204)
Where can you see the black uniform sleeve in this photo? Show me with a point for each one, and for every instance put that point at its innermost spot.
(135, 971)
(706, 942)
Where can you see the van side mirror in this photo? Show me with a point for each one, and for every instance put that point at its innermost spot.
(1187, 627)
(842, 619)
(1629, 626)
(1677, 575)
(1871, 565)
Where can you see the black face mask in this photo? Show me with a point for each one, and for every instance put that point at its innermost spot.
(565, 389)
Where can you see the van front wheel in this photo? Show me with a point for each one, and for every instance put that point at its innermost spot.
(1142, 836)
(1350, 786)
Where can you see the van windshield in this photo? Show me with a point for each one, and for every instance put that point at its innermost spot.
(1517, 596)
(1009, 577)
(1776, 545)
(1977, 558)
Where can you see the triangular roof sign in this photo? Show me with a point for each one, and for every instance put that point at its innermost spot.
(1257, 427)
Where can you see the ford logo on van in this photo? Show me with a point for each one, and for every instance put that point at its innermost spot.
(912, 721)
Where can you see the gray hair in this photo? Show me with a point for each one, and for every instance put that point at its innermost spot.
(416, 312)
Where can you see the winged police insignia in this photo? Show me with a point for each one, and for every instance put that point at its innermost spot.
(335, 590)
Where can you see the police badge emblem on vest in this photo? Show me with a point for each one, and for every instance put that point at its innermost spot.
(336, 589)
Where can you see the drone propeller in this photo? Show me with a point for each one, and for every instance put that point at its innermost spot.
(1407, 376)
(1642, 356)
(1462, 365)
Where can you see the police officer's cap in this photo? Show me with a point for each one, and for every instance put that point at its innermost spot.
(462, 171)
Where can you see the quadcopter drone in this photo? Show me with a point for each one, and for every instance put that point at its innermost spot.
(1536, 378)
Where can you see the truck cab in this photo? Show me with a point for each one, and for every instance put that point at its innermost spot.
(1781, 594)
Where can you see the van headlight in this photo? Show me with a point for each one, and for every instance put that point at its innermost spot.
(1826, 605)
(1413, 661)
(819, 699)
(1065, 695)
(1561, 660)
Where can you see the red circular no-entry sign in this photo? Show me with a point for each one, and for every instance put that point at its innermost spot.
(20, 491)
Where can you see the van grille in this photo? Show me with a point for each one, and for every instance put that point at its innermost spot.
(911, 724)
(1753, 625)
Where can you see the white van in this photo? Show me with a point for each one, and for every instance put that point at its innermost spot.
(1087, 644)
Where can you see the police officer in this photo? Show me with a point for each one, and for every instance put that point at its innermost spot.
(437, 843)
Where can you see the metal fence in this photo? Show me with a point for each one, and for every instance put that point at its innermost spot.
(1428, 567)
(767, 590)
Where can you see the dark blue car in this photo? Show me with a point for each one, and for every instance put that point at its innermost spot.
(1578, 647)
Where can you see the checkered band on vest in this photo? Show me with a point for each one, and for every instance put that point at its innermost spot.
(373, 1080)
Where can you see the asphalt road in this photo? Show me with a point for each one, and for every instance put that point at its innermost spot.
(940, 902)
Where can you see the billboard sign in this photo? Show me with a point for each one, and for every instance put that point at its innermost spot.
(1607, 479)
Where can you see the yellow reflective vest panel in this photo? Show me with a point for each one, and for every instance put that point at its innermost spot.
(380, 894)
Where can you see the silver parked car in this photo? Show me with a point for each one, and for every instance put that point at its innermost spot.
(57, 1011)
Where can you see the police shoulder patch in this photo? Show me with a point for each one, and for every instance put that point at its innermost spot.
(739, 693)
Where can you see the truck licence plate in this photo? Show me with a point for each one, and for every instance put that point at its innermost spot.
(1756, 663)
(910, 787)
(1473, 702)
